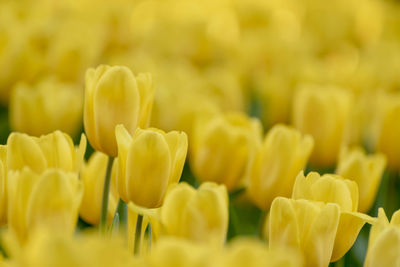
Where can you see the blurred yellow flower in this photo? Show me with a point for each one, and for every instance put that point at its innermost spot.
(46, 107)
(148, 162)
(114, 95)
(223, 147)
(283, 154)
(55, 150)
(322, 112)
(92, 175)
(305, 225)
(365, 170)
(199, 215)
(331, 188)
(48, 200)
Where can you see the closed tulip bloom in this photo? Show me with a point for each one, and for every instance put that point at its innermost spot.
(384, 241)
(324, 114)
(47, 200)
(223, 147)
(149, 162)
(114, 95)
(365, 170)
(199, 215)
(331, 188)
(305, 225)
(3, 185)
(387, 129)
(46, 107)
(93, 175)
(55, 150)
(283, 154)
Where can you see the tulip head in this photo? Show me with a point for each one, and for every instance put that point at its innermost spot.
(223, 148)
(305, 225)
(365, 170)
(324, 114)
(283, 154)
(113, 95)
(199, 215)
(149, 162)
(47, 107)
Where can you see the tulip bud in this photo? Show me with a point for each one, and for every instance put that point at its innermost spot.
(55, 150)
(281, 157)
(322, 113)
(384, 241)
(3, 185)
(148, 162)
(223, 148)
(92, 175)
(365, 170)
(305, 225)
(113, 95)
(331, 188)
(200, 215)
(47, 107)
(50, 200)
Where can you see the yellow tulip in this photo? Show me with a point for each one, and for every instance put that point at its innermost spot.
(365, 170)
(50, 200)
(223, 147)
(281, 157)
(3, 185)
(324, 114)
(55, 150)
(148, 162)
(46, 107)
(305, 225)
(331, 188)
(387, 128)
(113, 95)
(199, 215)
(384, 241)
(93, 175)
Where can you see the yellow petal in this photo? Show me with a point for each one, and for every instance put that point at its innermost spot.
(178, 144)
(123, 141)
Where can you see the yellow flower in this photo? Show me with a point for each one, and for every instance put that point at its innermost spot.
(384, 241)
(50, 200)
(93, 175)
(3, 184)
(281, 157)
(331, 188)
(305, 225)
(113, 95)
(46, 107)
(324, 114)
(148, 162)
(223, 147)
(199, 215)
(55, 150)
(365, 170)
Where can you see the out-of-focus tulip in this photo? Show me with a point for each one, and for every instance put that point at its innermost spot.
(324, 114)
(331, 188)
(281, 157)
(149, 162)
(113, 95)
(47, 200)
(306, 225)
(387, 129)
(384, 241)
(365, 170)
(48, 106)
(3, 184)
(223, 147)
(55, 150)
(92, 175)
(200, 215)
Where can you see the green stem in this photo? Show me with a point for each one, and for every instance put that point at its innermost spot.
(122, 211)
(104, 202)
(138, 234)
(149, 236)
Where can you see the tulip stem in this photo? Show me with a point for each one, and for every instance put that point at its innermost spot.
(122, 211)
(104, 202)
(138, 234)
